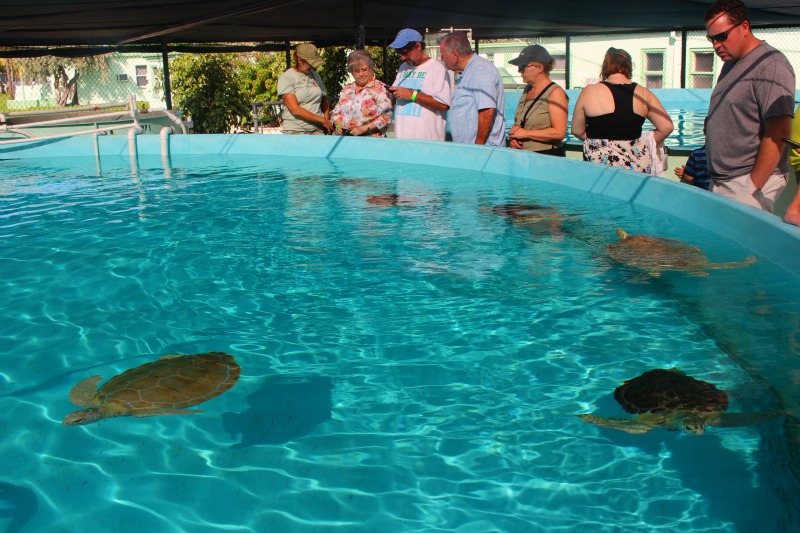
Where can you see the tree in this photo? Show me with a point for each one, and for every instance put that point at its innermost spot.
(258, 79)
(206, 87)
(65, 72)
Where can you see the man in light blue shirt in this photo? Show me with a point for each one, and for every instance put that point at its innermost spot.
(477, 108)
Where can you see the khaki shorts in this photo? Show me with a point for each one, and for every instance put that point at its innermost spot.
(742, 190)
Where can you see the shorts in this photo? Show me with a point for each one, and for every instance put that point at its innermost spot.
(742, 190)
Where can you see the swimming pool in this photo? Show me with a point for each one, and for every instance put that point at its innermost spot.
(408, 368)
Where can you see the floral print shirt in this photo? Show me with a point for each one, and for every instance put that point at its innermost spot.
(356, 107)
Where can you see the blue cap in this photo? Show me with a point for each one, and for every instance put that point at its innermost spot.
(406, 36)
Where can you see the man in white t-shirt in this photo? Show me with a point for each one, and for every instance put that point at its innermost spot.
(421, 91)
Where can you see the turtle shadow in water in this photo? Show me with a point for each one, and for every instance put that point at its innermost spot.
(722, 477)
(17, 503)
(283, 409)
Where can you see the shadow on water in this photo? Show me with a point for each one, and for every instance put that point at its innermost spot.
(283, 409)
(727, 483)
(17, 503)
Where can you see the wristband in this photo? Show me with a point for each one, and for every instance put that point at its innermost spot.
(414, 96)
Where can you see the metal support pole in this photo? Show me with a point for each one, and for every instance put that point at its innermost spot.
(165, 70)
(567, 64)
(288, 54)
(358, 12)
(386, 79)
(684, 40)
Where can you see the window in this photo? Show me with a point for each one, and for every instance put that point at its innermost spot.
(141, 75)
(654, 69)
(701, 65)
(559, 72)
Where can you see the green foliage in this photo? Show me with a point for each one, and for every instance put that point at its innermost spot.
(258, 80)
(3, 102)
(393, 62)
(258, 75)
(206, 86)
(334, 72)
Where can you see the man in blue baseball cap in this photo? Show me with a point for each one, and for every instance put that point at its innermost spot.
(421, 90)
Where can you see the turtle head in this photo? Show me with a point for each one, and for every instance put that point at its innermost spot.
(84, 416)
(692, 424)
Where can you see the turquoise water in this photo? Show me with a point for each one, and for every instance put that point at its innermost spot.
(405, 368)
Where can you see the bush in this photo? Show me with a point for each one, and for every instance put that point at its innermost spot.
(206, 87)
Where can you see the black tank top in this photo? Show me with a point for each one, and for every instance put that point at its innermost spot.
(621, 125)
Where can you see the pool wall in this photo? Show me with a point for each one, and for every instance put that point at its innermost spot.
(765, 234)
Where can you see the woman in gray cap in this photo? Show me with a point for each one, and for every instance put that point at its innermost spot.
(540, 122)
(306, 109)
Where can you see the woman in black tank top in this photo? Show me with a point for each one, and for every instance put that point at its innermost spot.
(614, 136)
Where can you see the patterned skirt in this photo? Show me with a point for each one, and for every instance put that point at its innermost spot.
(632, 155)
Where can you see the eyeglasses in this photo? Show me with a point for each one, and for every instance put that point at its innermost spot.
(722, 36)
(406, 49)
(522, 68)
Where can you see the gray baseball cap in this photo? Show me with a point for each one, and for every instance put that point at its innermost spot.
(535, 52)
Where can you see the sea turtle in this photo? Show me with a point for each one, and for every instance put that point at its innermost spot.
(528, 213)
(672, 400)
(657, 254)
(163, 387)
(391, 200)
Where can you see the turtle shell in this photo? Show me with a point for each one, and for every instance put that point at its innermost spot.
(656, 253)
(519, 210)
(173, 382)
(659, 391)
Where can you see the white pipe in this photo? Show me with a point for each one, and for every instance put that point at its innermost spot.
(84, 118)
(132, 151)
(97, 153)
(63, 110)
(166, 131)
(73, 134)
(176, 119)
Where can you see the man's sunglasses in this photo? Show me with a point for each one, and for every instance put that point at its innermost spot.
(406, 49)
(722, 36)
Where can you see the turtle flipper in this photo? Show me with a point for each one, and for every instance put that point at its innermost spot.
(163, 412)
(83, 393)
(628, 425)
(733, 264)
(727, 420)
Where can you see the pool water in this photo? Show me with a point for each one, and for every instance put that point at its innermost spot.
(412, 367)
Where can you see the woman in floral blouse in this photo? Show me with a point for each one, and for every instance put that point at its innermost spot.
(364, 107)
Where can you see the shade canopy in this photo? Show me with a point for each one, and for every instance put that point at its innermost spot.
(113, 22)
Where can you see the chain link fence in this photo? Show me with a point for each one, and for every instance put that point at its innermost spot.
(660, 60)
(657, 57)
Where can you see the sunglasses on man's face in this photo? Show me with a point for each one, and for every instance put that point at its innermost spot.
(406, 49)
(722, 36)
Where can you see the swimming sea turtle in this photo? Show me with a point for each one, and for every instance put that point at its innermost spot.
(528, 213)
(163, 387)
(391, 200)
(672, 400)
(657, 254)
